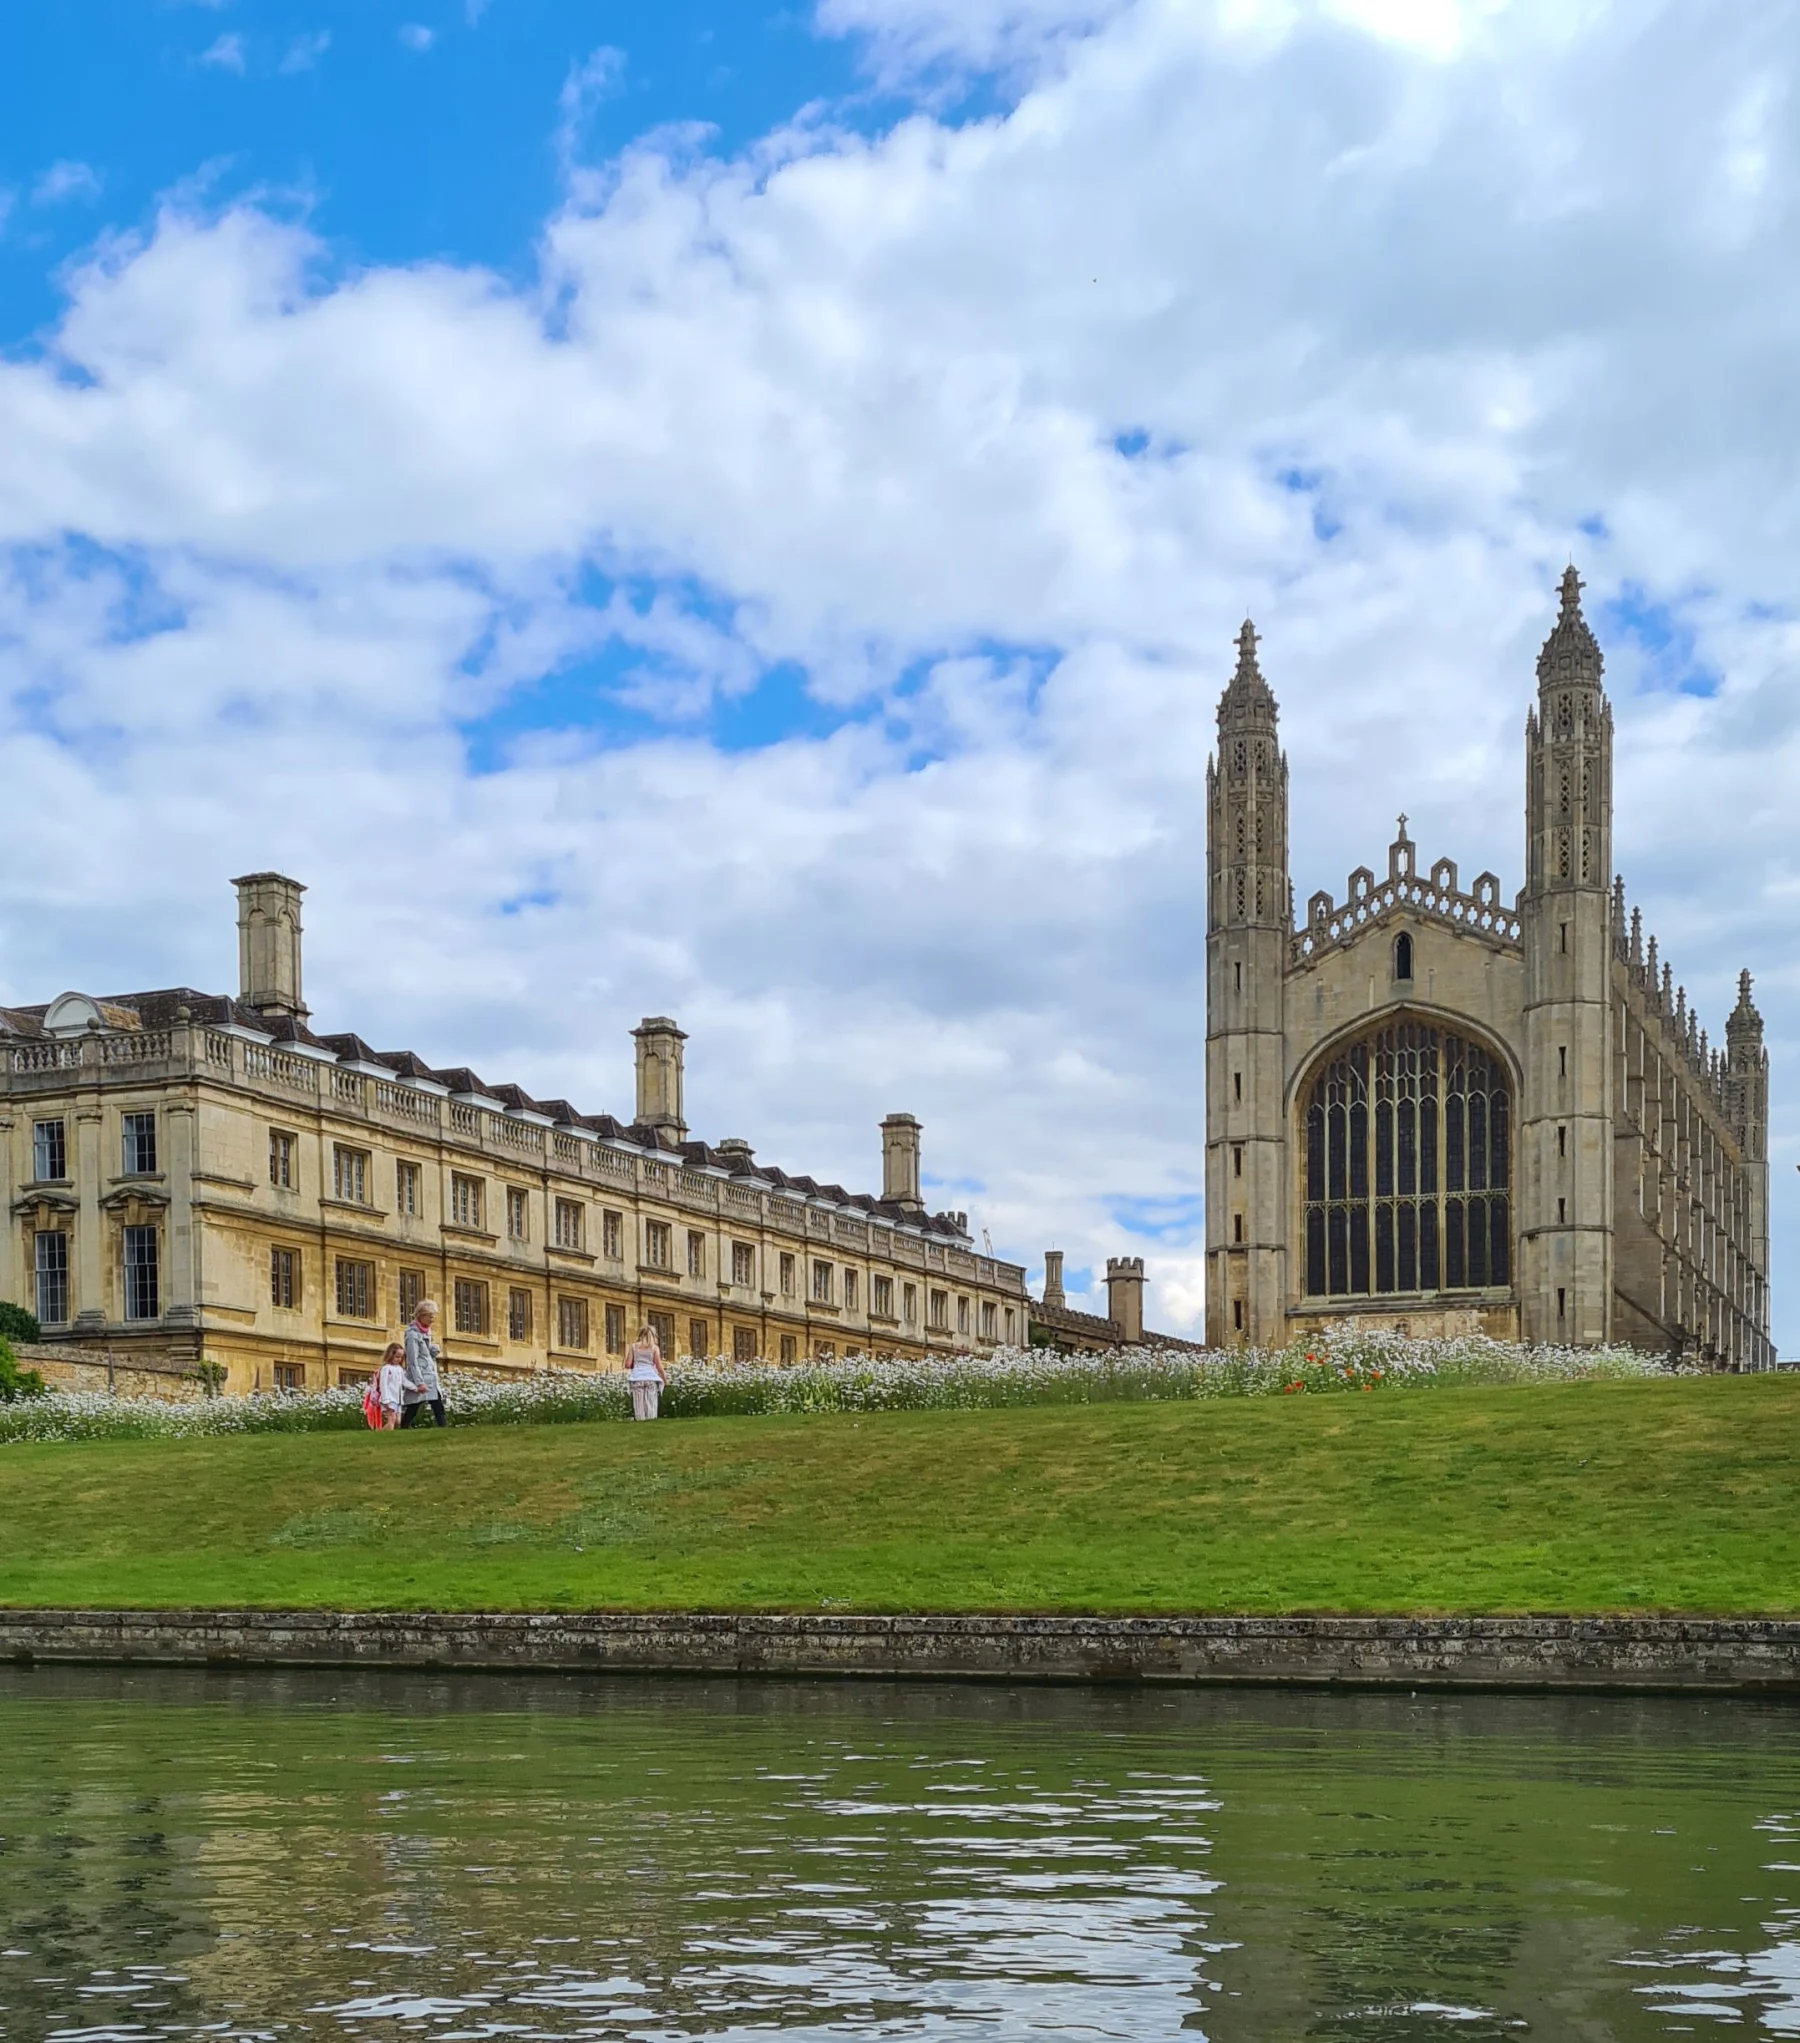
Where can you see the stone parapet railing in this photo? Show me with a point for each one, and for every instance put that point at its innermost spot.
(1713, 1655)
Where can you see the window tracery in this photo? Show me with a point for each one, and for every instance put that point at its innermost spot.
(1407, 1144)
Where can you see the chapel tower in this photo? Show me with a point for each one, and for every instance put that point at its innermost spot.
(1248, 926)
(1747, 1103)
(1565, 1145)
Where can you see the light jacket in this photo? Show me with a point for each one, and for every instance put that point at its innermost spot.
(422, 1358)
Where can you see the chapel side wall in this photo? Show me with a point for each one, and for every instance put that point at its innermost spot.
(1460, 981)
(1687, 1276)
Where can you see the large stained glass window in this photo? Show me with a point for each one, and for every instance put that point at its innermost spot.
(1407, 1153)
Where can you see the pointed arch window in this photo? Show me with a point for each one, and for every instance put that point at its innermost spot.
(1403, 956)
(1407, 1146)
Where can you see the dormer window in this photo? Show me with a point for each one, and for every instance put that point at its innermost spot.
(1403, 957)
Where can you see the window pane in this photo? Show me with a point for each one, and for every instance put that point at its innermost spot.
(1478, 1246)
(1408, 1119)
(1384, 1149)
(1384, 1246)
(1453, 1143)
(1477, 1142)
(1359, 1151)
(52, 1260)
(1359, 1249)
(142, 1292)
(1498, 1176)
(1337, 1133)
(1315, 1252)
(1315, 1152)
(1338, 1237)
(1428, 1247)
(1454, 1278)
(1499, 1241)
(1409, 1248)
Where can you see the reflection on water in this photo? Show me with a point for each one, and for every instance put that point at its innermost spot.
(376, 1857)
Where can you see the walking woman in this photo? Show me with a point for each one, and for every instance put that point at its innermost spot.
(645, 1374)
(424, 1394)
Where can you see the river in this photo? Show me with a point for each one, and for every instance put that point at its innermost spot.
(381, 1856)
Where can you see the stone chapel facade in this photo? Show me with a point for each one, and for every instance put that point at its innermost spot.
(1432, 1109)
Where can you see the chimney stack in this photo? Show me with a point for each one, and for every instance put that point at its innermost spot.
(659, 1102)
(1125, 1297)
(900, 1162)
(269, 944)
(1053, 1291)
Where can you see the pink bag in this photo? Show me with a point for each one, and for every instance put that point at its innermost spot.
(372, 1408)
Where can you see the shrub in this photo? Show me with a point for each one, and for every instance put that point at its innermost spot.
(16, 1324)
(14, 1381)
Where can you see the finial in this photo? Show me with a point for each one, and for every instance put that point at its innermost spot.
(1402, 837)
(1571, 654)
(1744, 986)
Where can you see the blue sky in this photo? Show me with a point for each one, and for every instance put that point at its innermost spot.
(745, 513)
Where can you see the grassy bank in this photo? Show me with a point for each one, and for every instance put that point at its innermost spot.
(1651, 1495)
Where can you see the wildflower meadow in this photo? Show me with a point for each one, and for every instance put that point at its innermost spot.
(1345, 1360)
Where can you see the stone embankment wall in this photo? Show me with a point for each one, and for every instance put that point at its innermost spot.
(64, 1368)
(1710, 1654)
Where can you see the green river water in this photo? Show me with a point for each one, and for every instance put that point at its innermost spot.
(382, 1856)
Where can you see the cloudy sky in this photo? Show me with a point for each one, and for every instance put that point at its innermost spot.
(742, 510)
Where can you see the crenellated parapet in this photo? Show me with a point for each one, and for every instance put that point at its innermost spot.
(1367, 900)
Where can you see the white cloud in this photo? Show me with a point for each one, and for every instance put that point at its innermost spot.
(66, 181)
(1349, 318)
(305, 51)
(416, 36)
(225, 53)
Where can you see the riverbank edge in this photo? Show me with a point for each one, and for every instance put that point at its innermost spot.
(1712, 1655)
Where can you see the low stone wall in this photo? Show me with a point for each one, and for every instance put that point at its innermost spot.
(69, 1368)
(1707, 1654)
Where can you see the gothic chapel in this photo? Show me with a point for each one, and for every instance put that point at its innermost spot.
(1436, 1111)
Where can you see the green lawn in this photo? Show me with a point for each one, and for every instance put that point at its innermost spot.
(1663, 1495)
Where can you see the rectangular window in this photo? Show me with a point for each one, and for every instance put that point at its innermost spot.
(51, 1255)
(350, 1175)
(849, 1290)
(471, 1303)
(612, 1236)
(568, 1223)
(284, 1278)
(465, 1202)
(962, 1315)
(658, 1245)
(662, 1325)
(821, 1284)
(281, 1159)
(406, 1189)
(355, 1289)
(743, 1264)
(49, 1154)
(909, 1299)
(518, 1315)
(787, 1276)
(571, 1323)
(826, 1351)
(412, 1289)
(696, 1246)
(940, 1312)
(990, 1320)
(699, 1340)
(143, 1295)
(1237, 1160)
(518, 1214)
(615, 1330)
(787, 1348)
(291, 1377)
(882, 1306)
(140, 1144)
(743, 1344)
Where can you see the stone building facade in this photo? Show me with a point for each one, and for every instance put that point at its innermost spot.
(1438, 1110)
(187, 1176)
